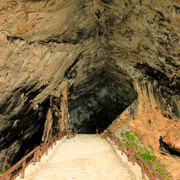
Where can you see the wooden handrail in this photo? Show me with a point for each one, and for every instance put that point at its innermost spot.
(130, 152)
(38, 152)
(44, 148)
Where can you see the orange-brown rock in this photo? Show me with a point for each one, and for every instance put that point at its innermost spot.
(172, 137)
(64, 122)
(145, 116)
(47, 134)
(57, 118)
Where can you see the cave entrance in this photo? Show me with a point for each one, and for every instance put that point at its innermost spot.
(99, 101)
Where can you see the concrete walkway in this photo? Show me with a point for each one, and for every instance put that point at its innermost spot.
(83, 157)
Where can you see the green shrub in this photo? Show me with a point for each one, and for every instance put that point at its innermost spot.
(131, 137)
(134, 140)
(147, 156)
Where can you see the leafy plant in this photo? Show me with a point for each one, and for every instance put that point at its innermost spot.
(126, 143)
(136, 134)
(122, 135)
(161, 169)
(147, 156)
(131, 137)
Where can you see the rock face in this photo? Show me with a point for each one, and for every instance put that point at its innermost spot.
(57, 118)
(111, 53)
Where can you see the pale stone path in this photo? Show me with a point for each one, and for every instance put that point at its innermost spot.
(84, 157)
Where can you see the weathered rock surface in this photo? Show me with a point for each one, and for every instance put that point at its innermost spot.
(110, 52)
(57, 118)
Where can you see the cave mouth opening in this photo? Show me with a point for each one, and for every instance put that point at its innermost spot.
(99, 118)
(98, 102)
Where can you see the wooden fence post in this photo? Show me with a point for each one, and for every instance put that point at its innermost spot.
(153, 176)
(8, 177)
(121, 151)
(46, 150)
(133, 160)
(97, 132)
(34, 158)
(38, 157)
(129, 155)
(39, 154)
(23, 167)
(142, 171)
(52, 144)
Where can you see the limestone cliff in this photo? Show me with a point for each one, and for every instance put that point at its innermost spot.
(111, 52)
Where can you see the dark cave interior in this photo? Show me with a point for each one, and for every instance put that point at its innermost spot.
(166, 149)
(104, 98)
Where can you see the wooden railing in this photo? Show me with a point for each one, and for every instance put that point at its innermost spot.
(74, 132)
(44, 148)
(34, 156)
(97, 131)
(133, 156)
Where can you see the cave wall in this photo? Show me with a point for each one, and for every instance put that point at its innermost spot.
(111, 53)
(155, 118)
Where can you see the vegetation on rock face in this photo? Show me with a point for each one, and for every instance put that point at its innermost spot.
(6, 169)
(132, 139)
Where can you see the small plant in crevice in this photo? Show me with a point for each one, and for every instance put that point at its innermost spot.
(132, 139)
(135, 100)
(6, 169)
